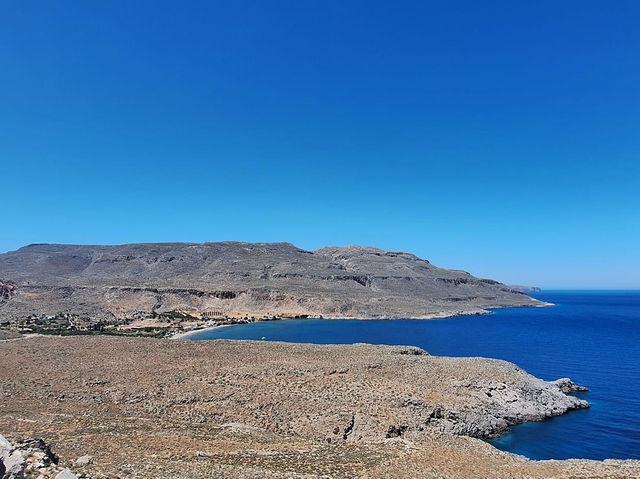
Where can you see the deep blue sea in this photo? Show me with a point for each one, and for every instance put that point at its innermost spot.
(592, 337)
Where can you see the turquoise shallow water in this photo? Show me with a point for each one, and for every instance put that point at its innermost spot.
(592, 337)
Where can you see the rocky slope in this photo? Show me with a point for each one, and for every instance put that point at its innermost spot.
(237, 409)
(237, 280)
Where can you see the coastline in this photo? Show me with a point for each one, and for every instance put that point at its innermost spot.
(433, 316)
(344, 410)
(191, 332)
(184, 331)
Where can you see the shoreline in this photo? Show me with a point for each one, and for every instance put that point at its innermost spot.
(434, 316)
(179, 332)
(216, 404)
(191, 332)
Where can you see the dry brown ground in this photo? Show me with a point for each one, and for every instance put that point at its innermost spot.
(158, 408)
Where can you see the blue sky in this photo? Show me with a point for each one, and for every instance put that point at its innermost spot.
(498, 137)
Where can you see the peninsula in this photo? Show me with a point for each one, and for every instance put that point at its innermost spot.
(169, 285)
(149, 408)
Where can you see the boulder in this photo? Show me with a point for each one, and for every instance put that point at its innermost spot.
(83, 461)
(14, 465)
(66, 474)
(5, 447)
(11, 460)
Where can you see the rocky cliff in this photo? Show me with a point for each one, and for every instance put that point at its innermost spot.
(237, 280)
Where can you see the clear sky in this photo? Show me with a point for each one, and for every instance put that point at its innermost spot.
(502, 138)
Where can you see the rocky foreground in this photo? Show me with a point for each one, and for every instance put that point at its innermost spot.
(44, 287)
(158, 408)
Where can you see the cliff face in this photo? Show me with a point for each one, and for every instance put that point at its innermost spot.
(238, 279)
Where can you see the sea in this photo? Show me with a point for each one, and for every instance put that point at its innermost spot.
(593, 337)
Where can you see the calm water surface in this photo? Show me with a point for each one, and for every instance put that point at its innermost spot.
(592, 337)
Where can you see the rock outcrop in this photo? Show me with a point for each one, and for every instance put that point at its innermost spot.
(30, 458)
(567, 386)
(7, 290)
(238, 280)
(12, 462)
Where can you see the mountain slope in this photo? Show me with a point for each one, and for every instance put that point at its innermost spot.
(237, 280)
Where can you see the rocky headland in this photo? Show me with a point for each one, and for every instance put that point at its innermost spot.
(240, 409)
(525, 289)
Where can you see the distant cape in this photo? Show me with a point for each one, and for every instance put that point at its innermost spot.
(525, 289)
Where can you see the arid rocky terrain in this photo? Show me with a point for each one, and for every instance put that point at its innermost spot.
(81, 287)
(152, 408)
(98, 406)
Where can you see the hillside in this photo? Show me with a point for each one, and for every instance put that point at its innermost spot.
(144, 408)
(237, 280)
